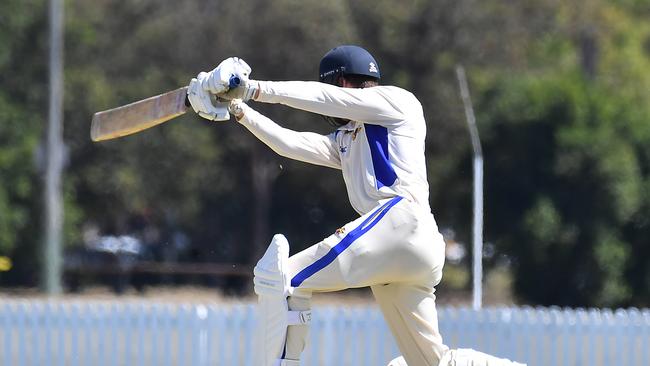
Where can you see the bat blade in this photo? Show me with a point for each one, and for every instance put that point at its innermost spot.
(138, 116)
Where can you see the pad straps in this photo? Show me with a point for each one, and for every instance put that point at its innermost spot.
(287, 363)
(298, 317)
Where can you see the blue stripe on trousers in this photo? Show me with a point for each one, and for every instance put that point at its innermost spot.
(353, 235)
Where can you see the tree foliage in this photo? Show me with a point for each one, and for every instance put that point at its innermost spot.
(567, 148)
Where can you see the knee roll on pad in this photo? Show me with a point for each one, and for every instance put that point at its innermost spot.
(469, 357)
(270, 272)
(271, 284)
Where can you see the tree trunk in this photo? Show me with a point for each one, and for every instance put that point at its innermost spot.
(264, 172)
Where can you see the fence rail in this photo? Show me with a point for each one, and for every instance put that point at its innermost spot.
(148, 333)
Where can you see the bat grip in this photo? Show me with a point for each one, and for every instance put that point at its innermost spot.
(234, 81)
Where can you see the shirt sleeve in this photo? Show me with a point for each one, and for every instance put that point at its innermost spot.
(374, 105)
(303, 146)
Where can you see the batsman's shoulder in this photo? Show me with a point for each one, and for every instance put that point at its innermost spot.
(395, 91)
(400, 97)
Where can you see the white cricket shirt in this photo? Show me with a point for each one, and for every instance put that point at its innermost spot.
(380, 151)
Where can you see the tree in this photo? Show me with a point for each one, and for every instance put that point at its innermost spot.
(568, 169)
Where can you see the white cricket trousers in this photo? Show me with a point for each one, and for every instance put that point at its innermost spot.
(395, 249)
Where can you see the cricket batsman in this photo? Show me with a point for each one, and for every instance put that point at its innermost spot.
(394, 247)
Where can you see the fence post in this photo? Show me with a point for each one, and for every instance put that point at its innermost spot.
(23, 323)
(251, 326)
(6, 329)
(646, 326)
(166, 313)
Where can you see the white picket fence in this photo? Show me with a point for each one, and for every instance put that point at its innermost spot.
(145, 333)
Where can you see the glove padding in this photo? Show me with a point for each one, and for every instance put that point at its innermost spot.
(218, 80)
(202, 103)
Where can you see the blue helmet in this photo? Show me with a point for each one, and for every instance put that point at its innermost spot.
(347, 60)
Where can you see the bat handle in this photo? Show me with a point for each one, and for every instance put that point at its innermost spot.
(234, 81)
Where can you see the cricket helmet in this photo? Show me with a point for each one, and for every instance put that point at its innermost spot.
(347, 60)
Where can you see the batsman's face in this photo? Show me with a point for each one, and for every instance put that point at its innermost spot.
(344, 83)
(339, 81)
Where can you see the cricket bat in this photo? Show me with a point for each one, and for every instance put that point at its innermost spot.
(143, 114)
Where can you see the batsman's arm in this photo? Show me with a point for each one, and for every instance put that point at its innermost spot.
(370, 105)
(303, 146)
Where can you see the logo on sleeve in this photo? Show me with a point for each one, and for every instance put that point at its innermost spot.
(372, 67)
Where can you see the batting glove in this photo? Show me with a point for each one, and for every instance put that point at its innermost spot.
(219, 80)
(236, 108)
(202, 103)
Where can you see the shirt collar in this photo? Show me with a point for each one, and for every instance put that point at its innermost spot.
(350, 126)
